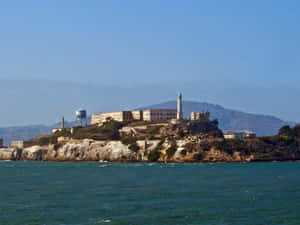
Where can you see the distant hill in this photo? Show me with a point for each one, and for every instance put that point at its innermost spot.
(229, 119)
(22, 133)
(27, 132)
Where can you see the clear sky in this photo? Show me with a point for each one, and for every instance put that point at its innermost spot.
(252, 44)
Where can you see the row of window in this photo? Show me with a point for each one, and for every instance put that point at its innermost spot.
(163, 114)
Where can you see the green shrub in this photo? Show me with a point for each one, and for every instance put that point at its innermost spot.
(66, 132)
(108, 131)
(199, 156)
(57, 146)
(141, 138)
(153, 130)
(112, 125)
(180, 133)
(150, 137)
(268, 139)
(196, 127)
(154, 155)
(131, 141)
(205, 146)
(286, 140)
(46, 140)
(171, 150)
(189, 147)
(134, 147)
(296, 131)
(160, 145)
(183, 152)
(278, 140)
(223, 146)
(128, 140)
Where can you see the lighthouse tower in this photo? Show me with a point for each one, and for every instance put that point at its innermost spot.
(179, 107)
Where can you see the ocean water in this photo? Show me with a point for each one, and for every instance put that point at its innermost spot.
(135, 193)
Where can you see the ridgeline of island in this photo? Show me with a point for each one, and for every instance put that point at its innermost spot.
(160, 135)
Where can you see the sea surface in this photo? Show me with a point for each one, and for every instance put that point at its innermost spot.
(136, 193)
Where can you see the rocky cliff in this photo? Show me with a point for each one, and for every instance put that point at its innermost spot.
(184, 141)
(116, 151)
(84, 150)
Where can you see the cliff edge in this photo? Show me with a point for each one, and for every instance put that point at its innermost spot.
(156, 142)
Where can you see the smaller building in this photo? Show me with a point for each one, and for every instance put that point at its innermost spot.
(63, 139)
(17, 144)
(238, 134)
(1, 142)
(54, 130)
(159, 114)
(201, 116)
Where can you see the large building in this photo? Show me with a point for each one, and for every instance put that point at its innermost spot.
(142, 115)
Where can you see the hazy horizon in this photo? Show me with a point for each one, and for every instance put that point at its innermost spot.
(56, 57)
(45, 102)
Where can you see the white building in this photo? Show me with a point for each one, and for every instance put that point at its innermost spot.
(141, 115)
(238, 134)
(136, 115)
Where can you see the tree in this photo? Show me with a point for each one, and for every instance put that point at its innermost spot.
(296, 131)
(285, 130)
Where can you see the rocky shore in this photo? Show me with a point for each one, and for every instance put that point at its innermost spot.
(116, 151)
(200, 141)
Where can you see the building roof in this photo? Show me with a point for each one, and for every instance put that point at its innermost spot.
(228, 132)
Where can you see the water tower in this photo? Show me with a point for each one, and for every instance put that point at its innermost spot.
(81, 117)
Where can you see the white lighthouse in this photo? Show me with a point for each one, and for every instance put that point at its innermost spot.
(179, 107)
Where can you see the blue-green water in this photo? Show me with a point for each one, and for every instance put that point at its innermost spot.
(98, 193)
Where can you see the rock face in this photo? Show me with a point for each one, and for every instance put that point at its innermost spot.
(10, 153)
(116, 151)
(86, 150)
(34, 153)
(83, 150)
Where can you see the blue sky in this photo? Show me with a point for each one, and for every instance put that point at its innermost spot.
(249, 46)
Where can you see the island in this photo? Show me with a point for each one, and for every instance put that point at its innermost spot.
(160, 135)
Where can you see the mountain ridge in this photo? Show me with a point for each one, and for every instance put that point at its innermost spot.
(230, 119)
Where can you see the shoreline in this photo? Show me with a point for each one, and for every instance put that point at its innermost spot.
(156, 162)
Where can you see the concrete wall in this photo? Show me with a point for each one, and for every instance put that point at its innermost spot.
(193, 116)
(137, 115)
(147, 115)
(200, 116)
(163, 114)
(102, 117)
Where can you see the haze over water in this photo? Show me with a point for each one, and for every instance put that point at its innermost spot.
(107, 193)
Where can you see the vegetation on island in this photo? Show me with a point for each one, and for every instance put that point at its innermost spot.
(172, 149)
(201, 138)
